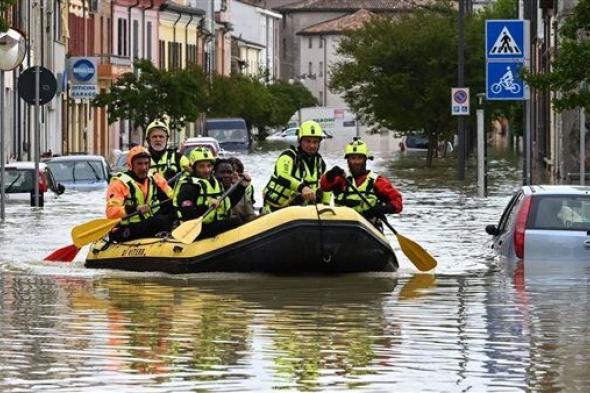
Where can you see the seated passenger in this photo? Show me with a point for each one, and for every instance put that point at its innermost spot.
(199, 190)
(245, 208)
(136, 191)
(369, 194)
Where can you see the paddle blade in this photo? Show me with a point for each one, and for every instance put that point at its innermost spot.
(64, 254)
(92, 231)
(188, 231)
(416, 254)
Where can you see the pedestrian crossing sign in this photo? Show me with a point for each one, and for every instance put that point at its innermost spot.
(507, 40)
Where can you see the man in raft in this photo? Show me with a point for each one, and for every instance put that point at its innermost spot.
(382, 196)
(296, 178)
(136, 191)
(196, 192)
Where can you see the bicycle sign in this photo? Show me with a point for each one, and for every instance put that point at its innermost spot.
(504, 82)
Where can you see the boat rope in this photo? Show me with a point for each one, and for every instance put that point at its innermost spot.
(325, 258)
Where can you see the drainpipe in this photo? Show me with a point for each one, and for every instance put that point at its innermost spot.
(143, 47)
(129, 26)
(174, 30)
(131, 126)
(186, 39)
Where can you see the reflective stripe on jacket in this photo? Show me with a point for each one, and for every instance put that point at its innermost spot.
(209, 189)
(351, 199)
(291, 174)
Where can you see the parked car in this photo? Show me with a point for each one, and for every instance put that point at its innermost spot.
(20, 182)
(201, 141)
(545, 223)
(81, 172)
(421, 142)
(288, 135)
(120, 161)
(231, 133)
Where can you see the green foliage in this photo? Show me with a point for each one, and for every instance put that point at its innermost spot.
(5, 5)
(183, 95)
(571, 66)
(398, 72)
(261, 106)
(399, 76)
(288, 99)
(179, 94)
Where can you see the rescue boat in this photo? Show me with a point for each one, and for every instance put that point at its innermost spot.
(311, 239)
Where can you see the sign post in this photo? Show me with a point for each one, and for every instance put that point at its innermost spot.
(13, 48)
(507, 54)
(460, 101)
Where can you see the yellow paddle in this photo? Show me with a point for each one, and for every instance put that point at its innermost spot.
(415, 253)
(96, 229)
(188, 231)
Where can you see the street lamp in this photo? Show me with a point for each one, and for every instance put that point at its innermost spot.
(13, 48)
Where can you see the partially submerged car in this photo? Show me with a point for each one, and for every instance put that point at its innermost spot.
(81, 172)
(548, 223)
(201, 141)
(19, 183)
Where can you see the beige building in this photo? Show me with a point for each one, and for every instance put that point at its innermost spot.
(318, 52)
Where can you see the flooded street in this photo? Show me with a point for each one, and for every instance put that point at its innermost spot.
(473, 325)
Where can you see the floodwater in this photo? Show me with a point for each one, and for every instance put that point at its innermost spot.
(472, 325)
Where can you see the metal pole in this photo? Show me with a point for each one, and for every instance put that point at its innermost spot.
(213, 60)
(460, 82)
(481, 191)
(582, 146)
(2, 160)
(37, 128)
(527, 143)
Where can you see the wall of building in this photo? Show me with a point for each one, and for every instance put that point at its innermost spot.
(320, 57)
(290, 42)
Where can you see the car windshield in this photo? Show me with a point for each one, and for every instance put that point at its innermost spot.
(238, 135)
(567, 212)
(121, 161)
(77, 171)
(18, 181)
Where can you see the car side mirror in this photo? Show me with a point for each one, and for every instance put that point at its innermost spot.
(492, 230)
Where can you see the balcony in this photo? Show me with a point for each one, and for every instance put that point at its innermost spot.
(110, 66)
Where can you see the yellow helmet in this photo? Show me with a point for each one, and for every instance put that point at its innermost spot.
(312, 129)
(357, 146)
(156, 124)
(201, 154)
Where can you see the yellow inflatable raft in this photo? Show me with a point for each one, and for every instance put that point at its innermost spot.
(312, 239)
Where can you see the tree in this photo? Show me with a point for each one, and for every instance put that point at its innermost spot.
(5, 5)
(262, 106)
(181, 95)
(399, 76)
(288, 99)
(571, 66)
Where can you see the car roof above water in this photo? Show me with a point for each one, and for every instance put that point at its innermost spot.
(77, 158)
(562, 189)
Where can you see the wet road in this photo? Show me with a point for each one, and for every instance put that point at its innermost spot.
(474, 325)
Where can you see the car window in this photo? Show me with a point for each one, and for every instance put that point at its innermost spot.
(564, 212)
(18, 181)
(68, 171)
(510, 211)
(291, 132)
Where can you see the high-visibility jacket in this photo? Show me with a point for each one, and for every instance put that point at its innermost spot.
(125, 194)
(291, 174)
(209, 189)
(351, 199)
(169, 164)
